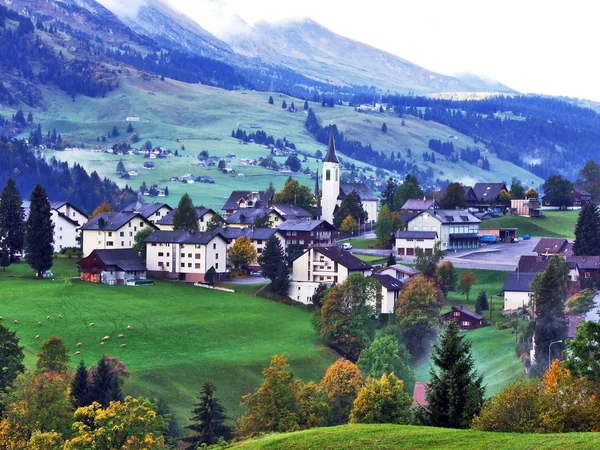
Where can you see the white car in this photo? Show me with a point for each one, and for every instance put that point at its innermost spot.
(346, 246)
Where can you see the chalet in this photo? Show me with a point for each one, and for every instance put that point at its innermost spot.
(151, 211)
(247, 199)
(328, 265)
(111, 230)
(488, 194)
(174, 179)
(115, 266)
(470, 197)
(305, 233)
(149, 165)
(467, 319)
(407, 241)
(258, 237)
(532, 263)
(205, 179)
(243, 218)
(517, 290)
(399, 271)
(456, 229)
(528, 207)
(390, 291)
(291, 211)
(581, 197)
(417, 205)
(133, 173)
(553, 246)
(587, 266)
(185, 256)
(67, 220)
(204, 215)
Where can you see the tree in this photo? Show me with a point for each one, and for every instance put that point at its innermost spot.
(532, 194)
(11, 358)
(101, 208)
(466, 282)
(121, 167)
(208, 420)
(407, 190)
(305, 105)
(12, 226)
(273, 407)
(589, 179)
(262, 221)
(52, 356)
(349, 225)
(295, 193)
(313, 406)
(583, 352)
(114, 132)
(284, 104)
(281, 284)
(384, 128)
(587, 231)
(455, 392)
(351, 205)
(293, 163)
(504, 197)
(209, 276)
(454, 198)
(129, 424)
(445, 276)
(138, 241)
(222, 164)
(549, 292)
(105, 381)
(185, 217)
(215, 222)
(580, 303)
(80, 388)
(387, 355)
(557, 191)
(242, 252)
(427, 262)
(391, 260)
(387, 195)
(39, 234)
(417, 311)
(130, 128)
(382, 401)
(271, 258)
(346, 315)
(271, 102)
(517, 191)
(342, 382)
(388, 222)
(481, 304)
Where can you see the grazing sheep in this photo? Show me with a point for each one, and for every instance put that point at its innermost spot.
(92, 324)
(16, 322)
(102, 344)
(123, 345)
(79, 344)
(129, 327)
(47, 317)
(120, 336)
(59, 316)
(37, 336)
(106, 338)
(77, 353)
(39, 324)
(1, 318)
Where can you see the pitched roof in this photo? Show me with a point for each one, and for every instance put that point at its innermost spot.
(585, 262)
(467, 312)
(331, 156)
(407, 216)
(58, 205)
(251, 232)
(551, 246)
(467, 191)
(361, 189)
(416, 234)
(518, 281)
(415, 204)
(291, 211)
(488, 192)
(532, 263)
(168, 218)
(126, 259)
(182, 237)
(403, 269)
(581, 191)
(453, 216)
(246, 216)
(145, 209)
(112, 221)
(344, 258)
(388, 282)
(303, 225)
(260, 199)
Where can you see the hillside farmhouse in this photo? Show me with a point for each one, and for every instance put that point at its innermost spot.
(114, 266)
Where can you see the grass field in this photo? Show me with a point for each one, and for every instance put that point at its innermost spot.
(388, 437)
(363, 243)
(181, 335)
(553, 224)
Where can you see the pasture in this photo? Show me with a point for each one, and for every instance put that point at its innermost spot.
(559, 224)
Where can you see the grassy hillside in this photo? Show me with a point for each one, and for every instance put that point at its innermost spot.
(409, 437)
(553, 224)
(180, 335)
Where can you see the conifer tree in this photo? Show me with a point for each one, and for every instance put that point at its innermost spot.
(391, 260)
(185, 217)
(272, 257)
(12, 226)
(209, 420)
(455, 392)
(80, 388)
(481, 303)
(39, 235)
(121, 167)
(587, 232)
(105, 385)
(271, 100)
(11, 358)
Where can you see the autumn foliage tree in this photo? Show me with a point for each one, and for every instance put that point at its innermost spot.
(53, 356)
(445, 276)
(465, 283)
(388, 222)
(242, 252)
(382, 401)
(342, 382)
(102, 207)
(349, 225)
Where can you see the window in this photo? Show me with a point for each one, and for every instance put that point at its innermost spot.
(336, 174)
(258, 242)
(456, 314)
(197, 266)
(197, 255)
(301, 242)
(189, 255)
(110, 233)
(122, 234)
(183, 255)
(141, 224)
(131, 234)
(60, 239)
(214, 246)
(216, 265)
(160, 254)
(123, 244)
(182, 264)
(465, 323)
(259, 250)
(109, 243)
(168, 254)
(60, 229)
(216, 256)
(328, 174)
(168, 264)
(189, 264)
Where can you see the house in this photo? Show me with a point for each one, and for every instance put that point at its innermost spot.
(467, 319)
(418, 205)
(588, 266)
(369, 201)
(205, 179)
(174, 179)
(111, 230)
(553, 246)
(204, 215)
(247, 199)
(133, 173)
(455, 228)
(488, 194)
(245, 217)
(258, 238)
(581, 197)
(328, 265)
(291, 211)
(151, 211)
(185, 256)
(469, 195)
(526, 207)
(114, 266)
(305, 233)
(67, 220)
(517, 290)
(149, 165)
(407, 241)
(399, 271)
(390, 291)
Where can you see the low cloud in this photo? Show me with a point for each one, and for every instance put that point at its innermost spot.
(121, 8)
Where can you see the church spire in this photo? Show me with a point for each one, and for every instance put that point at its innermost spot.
(331, 156)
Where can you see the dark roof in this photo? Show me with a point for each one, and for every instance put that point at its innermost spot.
(290, 211)
(488, 192)
(246, 216)
(360, 188)
(585, 262)
(581, 191)
(251, 232)
(416, 234)
(532, 263)
(407, 216)
(145, 209)
(58, 205)
(168, 219)
(112, 221)
(453, 216)
(344, 258)
(67, 218)
(331, 156)
(466, 191)
(126, 259)
(182, 237)
(518, 282)
(467, 312)
(414, 204)
(263, 198)
(551, 246)
(303, 225)
(388, 282)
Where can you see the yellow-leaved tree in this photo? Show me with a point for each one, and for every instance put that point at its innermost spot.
(342, 382)
(102, 207)
(242, 252)
(382, 401)
(349, 225)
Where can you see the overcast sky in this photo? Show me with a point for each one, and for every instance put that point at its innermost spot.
(546, 47)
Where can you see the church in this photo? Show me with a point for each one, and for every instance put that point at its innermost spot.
(334, 191)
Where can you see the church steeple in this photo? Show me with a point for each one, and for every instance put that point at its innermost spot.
(331, 156)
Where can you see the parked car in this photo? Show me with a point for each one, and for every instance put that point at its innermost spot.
(346, 246)
(256, 273)
(526, 237)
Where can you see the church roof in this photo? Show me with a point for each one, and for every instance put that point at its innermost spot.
(331, 156)
(361, 189)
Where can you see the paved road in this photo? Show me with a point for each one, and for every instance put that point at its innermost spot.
(249, 280)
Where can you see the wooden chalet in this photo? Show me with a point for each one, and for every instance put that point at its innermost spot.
(114, 266)
(467, 319)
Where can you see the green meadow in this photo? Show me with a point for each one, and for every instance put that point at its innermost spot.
(560, 224)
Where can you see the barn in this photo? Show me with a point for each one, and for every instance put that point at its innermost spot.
(112, 266)
(467, 319)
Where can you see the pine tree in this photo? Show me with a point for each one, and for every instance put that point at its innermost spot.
(391, 260)
(208, 422)
(587, 232)
(481, 303)
(130, 128)
(455, 392)
(384, 128)
(39, 235)
(281, 284)
(271, 258)
(11, 358)
(387, 196)
(12, 226)
(80, 389)
(284, 104)
(105, 385)
(271, 100)
(185, 217)
(305, 105)
(121, 167)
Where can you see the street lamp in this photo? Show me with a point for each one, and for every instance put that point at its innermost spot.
(549, 347)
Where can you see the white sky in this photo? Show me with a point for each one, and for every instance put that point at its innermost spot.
(546, 47)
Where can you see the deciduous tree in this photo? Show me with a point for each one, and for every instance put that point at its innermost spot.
(382, 400)
(242, 252)
(580, 303)
(138, 241)
(583, 352)
(454, 197)
(342, 382)
(589, 178)
(39, 235)
(557, 191)
(445, 275)
(53, 356)
(295, 193)
(351, 205)
(407, 190)
(209, 420)
(427, 262)
(388, 222)
(465, 283)
(349, 225)
(313, 406)
(532, 194)
(102, 207)
(587, 231)
(185, 217)
(517, 191)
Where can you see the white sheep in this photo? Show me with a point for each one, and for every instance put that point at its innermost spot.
(129, 327)
(77, 353)
(106, 338)
(59, 316)
(92, 324)
(120, 336)
(123, 345)
(37, 336)
(79, 344)
(1, 318)
(16, 322)
(102, 344)
(47, 317)
(39, 324)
